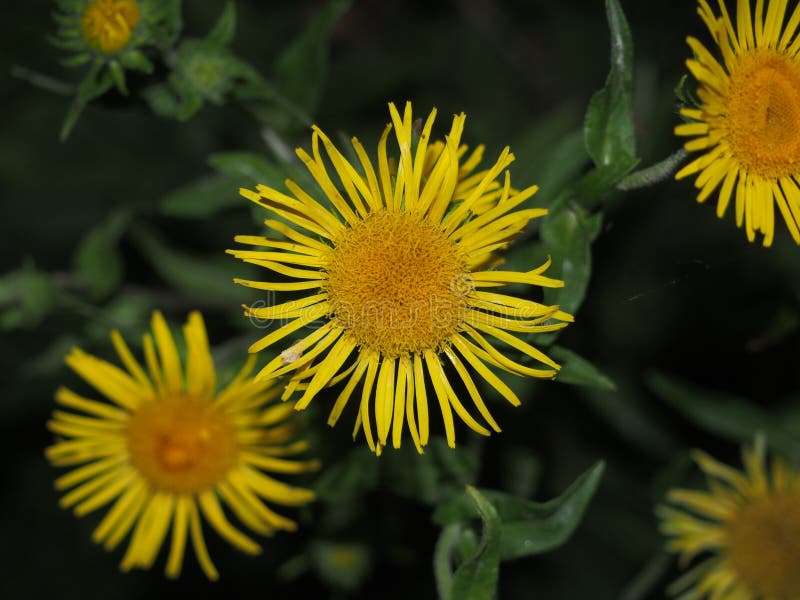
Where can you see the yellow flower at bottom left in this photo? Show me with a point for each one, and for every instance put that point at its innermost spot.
(166, 449)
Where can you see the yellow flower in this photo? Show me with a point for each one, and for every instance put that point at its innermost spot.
(107, 24)
(168, 447)
(395, 270)
(747, 125)
(750, 524)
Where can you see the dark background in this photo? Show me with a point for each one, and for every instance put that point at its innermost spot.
(673, 288)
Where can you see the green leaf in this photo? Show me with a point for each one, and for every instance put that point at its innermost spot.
(476, 578)
(77, 60)
(190, 101)
(161, 100)
(96, 82)
(208, 279)
(632, 419)
(202, 198)
(576, 370)
(608, 128)
(42, 81)
(349, 478)
(567, 234)
(301, 70)
(529, 527)
(222, 33)
(26, 297)
(249, 166)
(136, 60)
(342, 565)
(722, 414)
(118, 76)
(97, 260)
(550, 153)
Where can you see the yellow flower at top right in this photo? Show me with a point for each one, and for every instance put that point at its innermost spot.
(746, 127)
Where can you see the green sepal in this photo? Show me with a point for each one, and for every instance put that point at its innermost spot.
(137, 61)
(222, 32)
(118, 76)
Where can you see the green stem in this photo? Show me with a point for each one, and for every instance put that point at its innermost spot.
(442, 559)
(653, 174)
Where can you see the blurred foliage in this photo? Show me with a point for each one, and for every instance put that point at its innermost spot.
(682, 333)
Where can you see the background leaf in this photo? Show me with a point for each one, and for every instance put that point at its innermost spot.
(579, 371)
(723, 414)
(476, 578)
(528, 527)
(608, 129)
(97, 260)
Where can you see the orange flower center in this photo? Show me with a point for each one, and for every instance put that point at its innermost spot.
(181, 444)
(398, 284)
(107, 24)
(764, 113)
(763, 546)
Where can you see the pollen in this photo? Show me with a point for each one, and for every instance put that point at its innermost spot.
(764, 545)
(397, 284)
(764, 113)
(182, 444)
(107, 24)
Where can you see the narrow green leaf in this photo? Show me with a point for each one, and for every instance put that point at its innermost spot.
(42, 81)
(209, 279)
(247, 168)
(224, 29)
(301, 70)
(476, 578)
(97, 260)
(202, 198)
(77, 60)
(576, 370)
(118, 76)
(73, 113)
(731, 417)
(136, 60)
(608, 128)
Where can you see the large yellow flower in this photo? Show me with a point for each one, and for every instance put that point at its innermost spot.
(747, 125)
(748, 522)
(395, 269)
(169, 447)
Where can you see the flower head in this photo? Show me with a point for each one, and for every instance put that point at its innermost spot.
(397, 271)
(115, 31)
(167, 447)
(747, 124)
(107, 25)
(749, 522)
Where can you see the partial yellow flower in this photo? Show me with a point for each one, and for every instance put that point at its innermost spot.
(107, 24)
(167, 447)
(396, 266)
(747, 124)
(748, 524)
